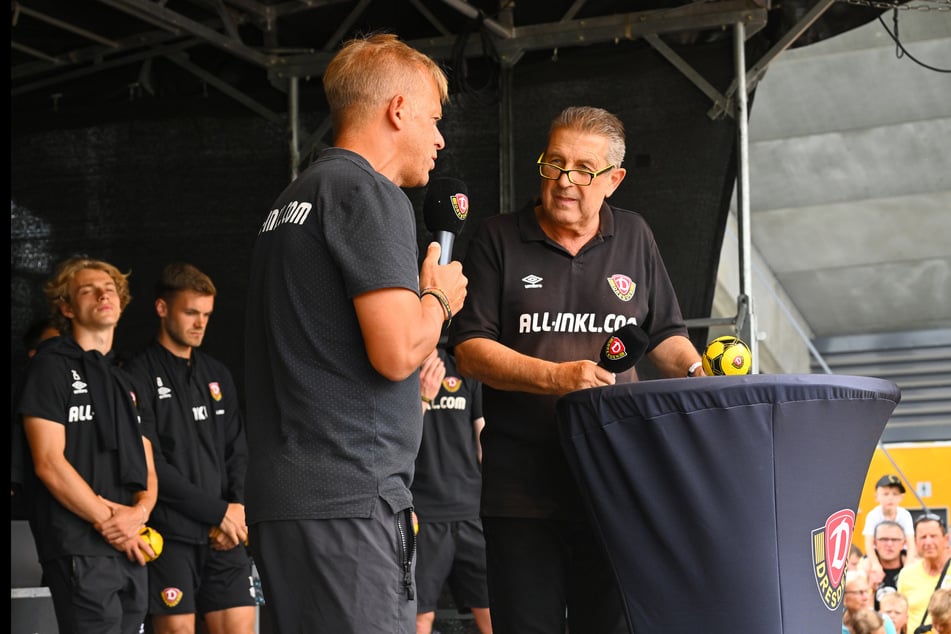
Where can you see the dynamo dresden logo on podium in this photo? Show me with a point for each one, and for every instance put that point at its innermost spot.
(830, 556)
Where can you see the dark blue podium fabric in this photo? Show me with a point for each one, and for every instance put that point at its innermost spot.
(708, 493)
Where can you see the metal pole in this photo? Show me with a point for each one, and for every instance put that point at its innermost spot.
(293, 98)
(747, 326)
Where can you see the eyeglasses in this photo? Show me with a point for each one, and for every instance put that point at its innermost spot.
(582, 178)
(865, 591)
(890, 539)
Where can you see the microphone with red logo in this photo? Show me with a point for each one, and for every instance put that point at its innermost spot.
(444, 211)
(623, 349)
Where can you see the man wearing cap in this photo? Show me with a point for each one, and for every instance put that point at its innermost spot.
(889, 492)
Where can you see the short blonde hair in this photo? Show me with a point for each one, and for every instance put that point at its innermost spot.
(56, 288)
(371, 70)
(892, 597)
(940, 610)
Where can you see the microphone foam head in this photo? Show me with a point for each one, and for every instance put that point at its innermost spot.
(447, 205)
(623, 348)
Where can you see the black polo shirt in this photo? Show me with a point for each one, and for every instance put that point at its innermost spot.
(448, 478)
(327, 434)
(200, 450)
(57, 388)
(530, 294)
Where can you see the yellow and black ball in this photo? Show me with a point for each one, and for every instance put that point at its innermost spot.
(726, 356)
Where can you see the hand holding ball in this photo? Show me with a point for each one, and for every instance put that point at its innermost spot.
(154, 539)
(727, 356)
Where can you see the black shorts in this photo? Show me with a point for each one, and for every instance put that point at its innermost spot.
(345, 576)
(194, 579)
(453, 553)
(97, 594)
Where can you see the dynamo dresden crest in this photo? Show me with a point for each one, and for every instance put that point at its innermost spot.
(215, 390)
(460, 205)
(171, 596)
(614, 349)
(830, 556)
(451, 384)
(622, 286)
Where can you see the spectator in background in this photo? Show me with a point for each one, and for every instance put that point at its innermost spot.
(867, 621)
(919, 579)
(858, 598)
(889, 492)
(889, 539)
(95, 466)
(939, 609)
(895, 606)
(38, 332)
(446, 489)
(200, 458)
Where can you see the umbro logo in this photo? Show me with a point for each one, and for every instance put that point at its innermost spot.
(532, 281)
(79, 386)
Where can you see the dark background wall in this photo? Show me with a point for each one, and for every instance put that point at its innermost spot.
(149, 187)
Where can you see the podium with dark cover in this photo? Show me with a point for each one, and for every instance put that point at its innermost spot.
(727, 504)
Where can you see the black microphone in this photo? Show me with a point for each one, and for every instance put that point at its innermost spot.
(444, 211)
(623, 349)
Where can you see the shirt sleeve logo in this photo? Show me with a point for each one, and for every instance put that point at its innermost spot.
(215, 390)
(161, 389)
(79, 386)
(622, 286)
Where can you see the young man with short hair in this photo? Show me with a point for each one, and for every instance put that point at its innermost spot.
(201, 458)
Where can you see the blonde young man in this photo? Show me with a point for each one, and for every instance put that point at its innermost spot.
(201, 459)
(339, 319)
(94, 465)
(547, 283)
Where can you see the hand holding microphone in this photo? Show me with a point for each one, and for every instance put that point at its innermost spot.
(445, 211)
(619, 353)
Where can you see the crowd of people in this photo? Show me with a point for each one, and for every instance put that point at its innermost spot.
(902, 576)
(398, 429)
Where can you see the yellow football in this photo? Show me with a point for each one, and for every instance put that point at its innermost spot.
(154, 539)
(727, 355)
